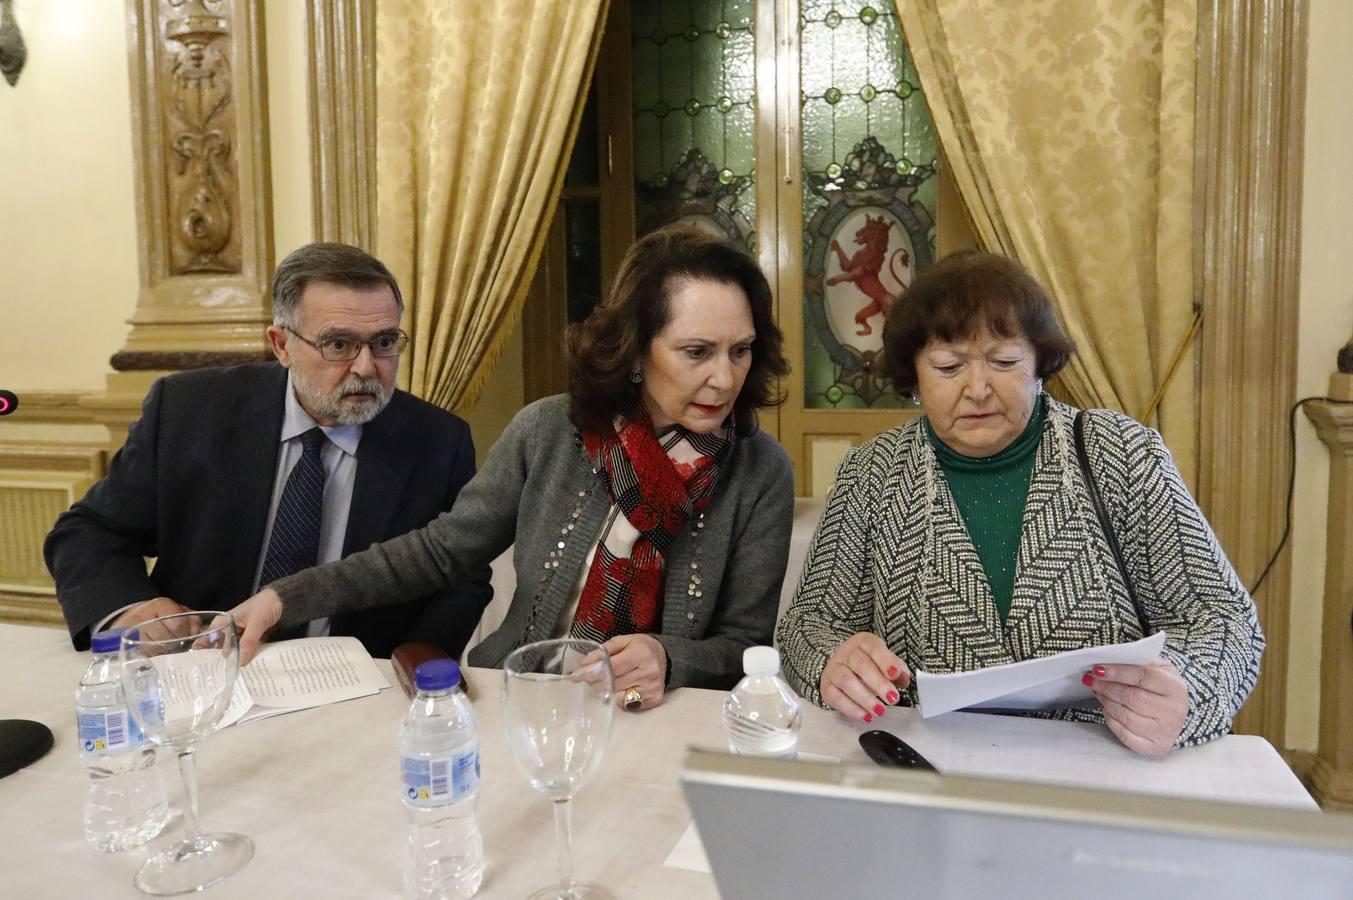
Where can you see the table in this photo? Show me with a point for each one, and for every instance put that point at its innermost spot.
(318, 790)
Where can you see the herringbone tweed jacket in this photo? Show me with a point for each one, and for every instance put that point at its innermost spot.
(892, 556)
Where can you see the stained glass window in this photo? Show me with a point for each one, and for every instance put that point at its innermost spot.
(869, 157)
(694, 87)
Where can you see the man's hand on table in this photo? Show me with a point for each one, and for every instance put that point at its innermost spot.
(147, 610)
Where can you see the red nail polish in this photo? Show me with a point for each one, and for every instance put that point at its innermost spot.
(1087, 680)
(868, 718)
(1100, 671)
(878, 709)
(892, 671)
(893, 696)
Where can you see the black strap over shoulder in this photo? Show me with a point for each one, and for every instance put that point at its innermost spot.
(1078, 428)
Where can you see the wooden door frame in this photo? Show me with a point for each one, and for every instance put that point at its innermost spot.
(544, 318)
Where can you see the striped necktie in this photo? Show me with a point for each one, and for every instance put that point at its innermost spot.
(294, 544)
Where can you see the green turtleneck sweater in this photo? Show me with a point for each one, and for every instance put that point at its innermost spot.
(991, 494)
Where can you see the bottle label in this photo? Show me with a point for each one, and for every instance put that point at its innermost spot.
(107, 731)
(440, 779)
(149, 702)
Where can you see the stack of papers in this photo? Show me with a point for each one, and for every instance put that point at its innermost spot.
(291, 675)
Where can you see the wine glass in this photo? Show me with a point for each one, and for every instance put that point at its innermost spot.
(558, 698)
(178, 673)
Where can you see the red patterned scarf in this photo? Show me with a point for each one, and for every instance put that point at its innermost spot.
(655, 483)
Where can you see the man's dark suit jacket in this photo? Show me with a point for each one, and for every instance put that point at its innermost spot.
(192, 487)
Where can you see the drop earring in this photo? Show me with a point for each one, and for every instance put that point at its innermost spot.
(916, 397)
(636, 375)
(1038, 385)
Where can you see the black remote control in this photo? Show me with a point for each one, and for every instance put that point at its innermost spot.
(890, 750)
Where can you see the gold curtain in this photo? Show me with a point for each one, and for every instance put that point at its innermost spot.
(477, 106)
(1069, 131)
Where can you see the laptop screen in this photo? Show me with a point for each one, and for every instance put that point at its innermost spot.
(775, 828)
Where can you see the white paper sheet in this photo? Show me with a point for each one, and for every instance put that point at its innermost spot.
(189, 684)
(300, 674)
(688, 853)
(1240, 768)
(1050, 682)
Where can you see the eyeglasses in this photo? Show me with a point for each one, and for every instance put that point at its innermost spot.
(345, 349)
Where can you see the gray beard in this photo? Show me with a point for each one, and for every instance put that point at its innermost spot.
(333, 406)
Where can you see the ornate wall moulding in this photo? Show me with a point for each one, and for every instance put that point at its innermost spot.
(176, 361)
(204, 207)
(199, 133)
(1332, 774)
(40, 478)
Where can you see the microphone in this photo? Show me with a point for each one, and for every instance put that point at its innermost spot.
(8, 402)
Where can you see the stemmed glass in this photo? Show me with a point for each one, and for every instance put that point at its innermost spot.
(558, 698)
(178, 674)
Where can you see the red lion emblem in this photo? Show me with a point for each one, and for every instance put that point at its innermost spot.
(862, 269)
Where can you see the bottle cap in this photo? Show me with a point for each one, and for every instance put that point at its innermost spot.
(436, 675)
(107, 641)
(760, 660)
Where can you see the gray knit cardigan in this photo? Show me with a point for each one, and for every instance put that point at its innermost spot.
(540, 493)
(891, 556)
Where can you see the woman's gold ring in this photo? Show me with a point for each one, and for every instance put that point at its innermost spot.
(633, 699)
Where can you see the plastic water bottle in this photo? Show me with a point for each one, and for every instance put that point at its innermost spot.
(126, 804)
(439, 762)
(761, 714)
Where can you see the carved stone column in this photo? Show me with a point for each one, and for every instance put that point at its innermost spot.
(1332, 775)
(203, 201)
(343, 119)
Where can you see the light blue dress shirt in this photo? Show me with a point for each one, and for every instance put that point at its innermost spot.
(340, 474)
(340, 468)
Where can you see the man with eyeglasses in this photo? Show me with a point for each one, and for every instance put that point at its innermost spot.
(234, 477)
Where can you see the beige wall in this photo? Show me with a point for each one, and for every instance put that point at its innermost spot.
(1326, 322)
(68, 264)
(66, 180)
(68, 244)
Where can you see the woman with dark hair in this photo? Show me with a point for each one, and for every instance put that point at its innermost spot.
(970, 537)
(645, 509)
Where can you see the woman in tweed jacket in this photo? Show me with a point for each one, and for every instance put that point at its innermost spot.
(645, 509)
(967, 538)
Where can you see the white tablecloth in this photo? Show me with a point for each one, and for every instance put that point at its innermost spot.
(318, 790)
